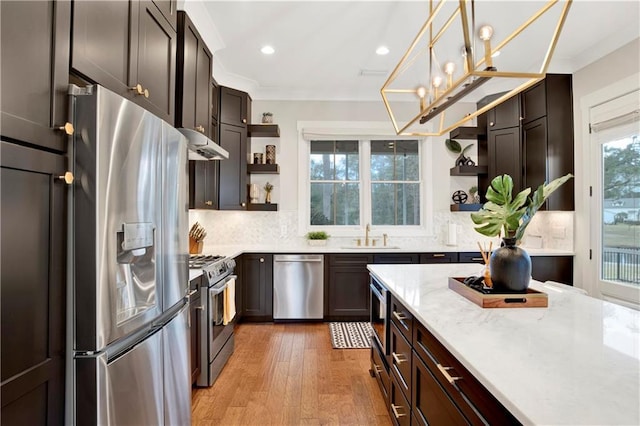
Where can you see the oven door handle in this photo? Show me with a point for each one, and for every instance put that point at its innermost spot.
(375, 291)
(219, 288)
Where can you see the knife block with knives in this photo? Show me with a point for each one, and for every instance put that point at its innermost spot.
(196, 238)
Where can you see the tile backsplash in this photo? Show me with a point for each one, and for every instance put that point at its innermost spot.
(554, 230)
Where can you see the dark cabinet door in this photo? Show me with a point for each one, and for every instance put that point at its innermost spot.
(449, 257)
(552, 268)
(103, 42)
(33, 215)
(193, 78)
(169, 10)
(203, 184)
(404, 258)
(233, 107)
(195, 310)
(215, 110)
(348, 292)
(534, 103)
(156, 62)
(257, 280)
(534, 158)
(35, 71)
(233, 172)
(431, 403)
(399, 407)
(470, 257)
(506, 114)
(504, 155)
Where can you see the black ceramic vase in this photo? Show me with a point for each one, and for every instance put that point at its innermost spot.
(510, 267)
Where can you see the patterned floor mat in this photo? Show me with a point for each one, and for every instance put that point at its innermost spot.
(350, 335)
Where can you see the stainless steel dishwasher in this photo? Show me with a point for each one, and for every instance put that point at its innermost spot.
(298, 286)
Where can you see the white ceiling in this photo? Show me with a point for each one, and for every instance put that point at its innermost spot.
(323, 46)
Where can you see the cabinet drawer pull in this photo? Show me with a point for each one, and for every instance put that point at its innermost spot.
(438, 255)
(244, 120)
(492, 124)
(200, 129)
(209, 203)
(396, 413)
(262, 260)
(399, 358)
(399, 316)
(446, 374)
(377, 368)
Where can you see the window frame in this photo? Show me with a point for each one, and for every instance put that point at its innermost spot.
(364, 132)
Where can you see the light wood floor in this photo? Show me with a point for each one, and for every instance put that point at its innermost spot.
(289, 374)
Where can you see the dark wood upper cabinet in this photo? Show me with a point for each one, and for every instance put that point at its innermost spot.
(232, 191)
(33, 214)
(504, 115)
(35, 71)
(534, 103)
(534, 153)
(126, 45)
(234, 109)
(203, 185)
(193, 78)
(504, 147)
(169, 9)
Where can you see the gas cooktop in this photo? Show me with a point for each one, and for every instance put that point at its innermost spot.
(198, 261)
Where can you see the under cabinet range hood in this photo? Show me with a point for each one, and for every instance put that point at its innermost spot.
(203, 148)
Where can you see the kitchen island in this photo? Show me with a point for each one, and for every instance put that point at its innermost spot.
(575, 362)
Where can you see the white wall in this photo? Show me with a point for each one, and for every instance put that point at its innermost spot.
(607, 78)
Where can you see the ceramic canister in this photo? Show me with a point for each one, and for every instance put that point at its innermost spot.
(271, 154)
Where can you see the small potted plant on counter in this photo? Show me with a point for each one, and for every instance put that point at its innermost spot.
(508, 216)
(317, 238)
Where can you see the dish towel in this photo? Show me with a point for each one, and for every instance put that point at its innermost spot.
(229, 302)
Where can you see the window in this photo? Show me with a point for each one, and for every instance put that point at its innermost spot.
(395, 183)
(352, 182)
(334, 183)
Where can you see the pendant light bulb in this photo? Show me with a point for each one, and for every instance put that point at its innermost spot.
(437, 81)
(449, 68)
(421, 92)
(485, 32)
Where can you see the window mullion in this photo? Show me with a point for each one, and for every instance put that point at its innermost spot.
(365, 182)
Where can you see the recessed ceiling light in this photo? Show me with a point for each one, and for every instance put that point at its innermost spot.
(495, 54)
(382, 50)
(268, 50)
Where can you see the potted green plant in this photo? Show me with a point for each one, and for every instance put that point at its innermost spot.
(503, 214)
(317, 238)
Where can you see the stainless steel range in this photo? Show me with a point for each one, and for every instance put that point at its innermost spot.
(216, 338)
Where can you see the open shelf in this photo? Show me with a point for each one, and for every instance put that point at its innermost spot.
(468, 170)
(263, 131)
(465, 133)
(263, 169)
(272, 207)
(465, 207)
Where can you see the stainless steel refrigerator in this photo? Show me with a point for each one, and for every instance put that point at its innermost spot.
(129, 327)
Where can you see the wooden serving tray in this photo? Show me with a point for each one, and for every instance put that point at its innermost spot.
(531, 299)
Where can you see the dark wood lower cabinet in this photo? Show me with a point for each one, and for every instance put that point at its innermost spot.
(32, 294)
(380, 370)
(399, 408)
(431, 404)
(552, 268)
(257, 281)
(347, 288)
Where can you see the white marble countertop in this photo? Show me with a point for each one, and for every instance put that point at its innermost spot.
(576, 362)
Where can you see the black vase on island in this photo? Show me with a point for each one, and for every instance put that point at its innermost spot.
(510, 268)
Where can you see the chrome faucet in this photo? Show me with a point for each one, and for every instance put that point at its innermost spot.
(367, 229)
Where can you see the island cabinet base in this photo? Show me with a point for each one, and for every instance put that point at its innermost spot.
(424, 384)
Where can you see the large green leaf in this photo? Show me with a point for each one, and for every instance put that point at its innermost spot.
(453, 146)
(466, 148)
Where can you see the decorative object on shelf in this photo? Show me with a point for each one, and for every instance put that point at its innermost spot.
(267, 117)
(455, 147)
(474, 197)
(254, 193)
(317, 238)
(196, 238)
(509, 265)
(268, 188)
(453, 75)
(257, 158)
(459, 197)
(270, 156)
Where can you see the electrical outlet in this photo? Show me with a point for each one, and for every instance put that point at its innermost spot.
(558, 232)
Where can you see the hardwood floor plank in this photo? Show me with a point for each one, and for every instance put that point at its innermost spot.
(288, 374)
